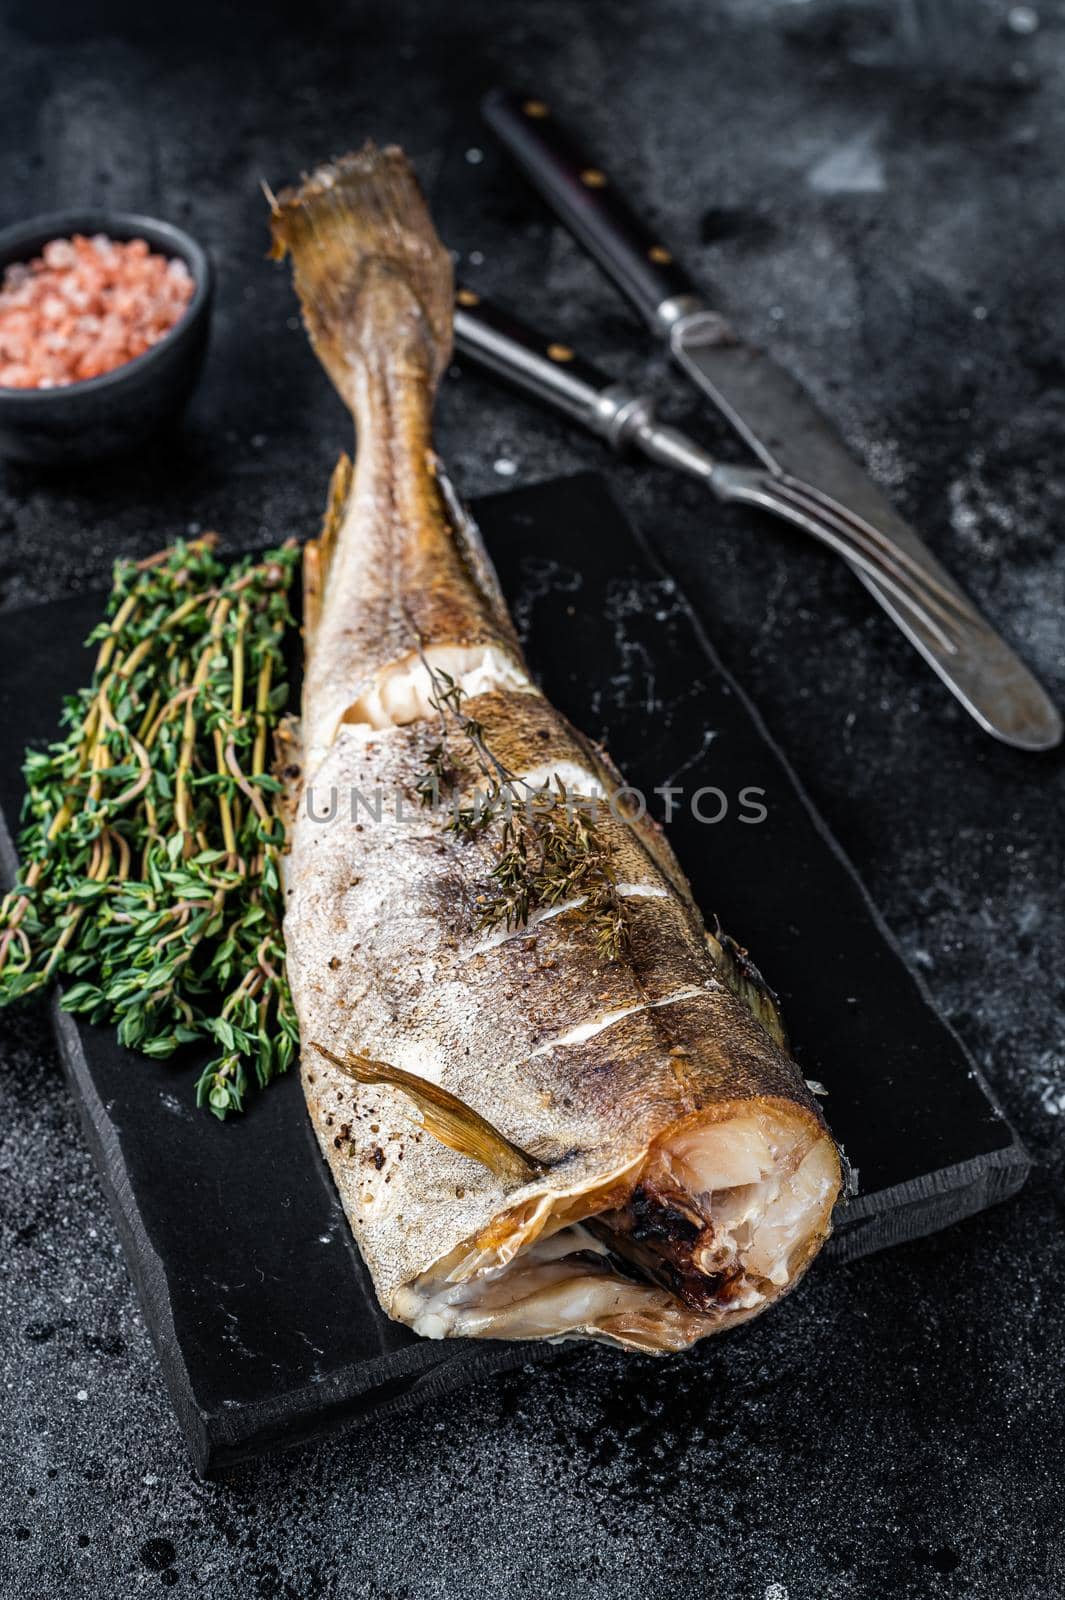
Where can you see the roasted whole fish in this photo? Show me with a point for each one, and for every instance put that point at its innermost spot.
(553, 1105)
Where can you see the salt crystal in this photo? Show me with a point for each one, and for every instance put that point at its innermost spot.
(1023, 20)
(59, 253)
(85, 306)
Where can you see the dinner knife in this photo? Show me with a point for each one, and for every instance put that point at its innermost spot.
(775, 418)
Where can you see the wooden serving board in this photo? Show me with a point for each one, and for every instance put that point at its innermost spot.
(261, 1311)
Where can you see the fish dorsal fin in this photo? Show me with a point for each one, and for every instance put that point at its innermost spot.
(740, 975)
(318, 553)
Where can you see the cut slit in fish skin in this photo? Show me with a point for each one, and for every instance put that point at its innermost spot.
(680, 1174)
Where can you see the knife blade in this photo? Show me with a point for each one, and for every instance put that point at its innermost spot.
(774, 417)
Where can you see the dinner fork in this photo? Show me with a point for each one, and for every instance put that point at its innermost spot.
(552, 372)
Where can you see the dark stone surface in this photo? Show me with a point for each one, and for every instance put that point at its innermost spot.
(887, 211)
(272, 1335)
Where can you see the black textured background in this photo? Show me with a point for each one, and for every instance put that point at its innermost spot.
(876, 189)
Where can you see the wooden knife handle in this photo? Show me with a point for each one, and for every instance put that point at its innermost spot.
(585, 199)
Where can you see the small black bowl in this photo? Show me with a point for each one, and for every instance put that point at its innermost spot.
(109, 415)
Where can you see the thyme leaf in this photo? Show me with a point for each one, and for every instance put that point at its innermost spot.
(149, 850)
(549, 846)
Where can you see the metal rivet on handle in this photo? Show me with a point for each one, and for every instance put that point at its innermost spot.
(466, 297)
(535, 108)
(659, 255)
(560, 352)
(592, 178)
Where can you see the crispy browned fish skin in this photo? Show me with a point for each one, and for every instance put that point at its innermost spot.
(388, 959)
(376, 289)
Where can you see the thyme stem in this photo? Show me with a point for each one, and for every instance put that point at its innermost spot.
(149, 880)
(549, 849)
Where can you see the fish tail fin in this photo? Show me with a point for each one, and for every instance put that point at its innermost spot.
(395, 571)
(374, 281)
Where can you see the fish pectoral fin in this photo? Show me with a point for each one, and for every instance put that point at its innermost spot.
(445, 1116)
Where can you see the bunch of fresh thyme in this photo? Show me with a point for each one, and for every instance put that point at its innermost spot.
(549, 848)
(150, 843)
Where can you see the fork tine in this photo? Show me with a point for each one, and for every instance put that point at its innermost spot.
(932, 595)
(894, 552)
(766, 490)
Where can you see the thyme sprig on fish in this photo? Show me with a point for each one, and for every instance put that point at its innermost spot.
(149, 877)
(549, 846)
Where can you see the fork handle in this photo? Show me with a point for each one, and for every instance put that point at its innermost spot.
(548, 370)
(584, 198)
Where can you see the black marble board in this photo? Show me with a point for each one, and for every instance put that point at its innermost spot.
(260, 1309)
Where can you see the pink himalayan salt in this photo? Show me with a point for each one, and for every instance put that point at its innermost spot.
(85, 306)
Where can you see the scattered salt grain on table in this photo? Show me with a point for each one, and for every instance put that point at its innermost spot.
(85, 306)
